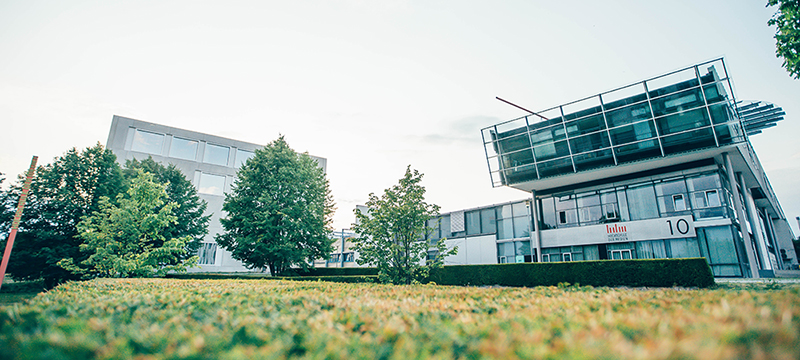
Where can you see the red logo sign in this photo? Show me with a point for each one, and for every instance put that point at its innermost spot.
(615, 229)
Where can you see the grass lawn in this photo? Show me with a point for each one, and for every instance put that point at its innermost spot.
(246, 319)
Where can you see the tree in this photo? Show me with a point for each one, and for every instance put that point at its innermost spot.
(279, 211)
(127, 239)
(392, 236)
(5, 211)
(787, 36)
(189, 211)
(61, 193)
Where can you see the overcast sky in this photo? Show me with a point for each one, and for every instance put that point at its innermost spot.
(372, 86)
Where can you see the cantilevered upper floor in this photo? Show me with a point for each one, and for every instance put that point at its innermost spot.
(667, 120)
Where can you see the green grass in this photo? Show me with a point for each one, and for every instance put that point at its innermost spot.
(277, 319)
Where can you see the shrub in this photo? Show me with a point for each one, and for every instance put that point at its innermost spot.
(635, 273)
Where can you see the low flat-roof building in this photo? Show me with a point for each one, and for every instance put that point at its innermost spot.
(210, 162)
(662, 168)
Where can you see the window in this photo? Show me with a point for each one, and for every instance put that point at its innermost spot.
(348, 257)
(433, 229)
(548, 214)
(589, 207)
(620, 254)
(712, 197)
(566, 210)
(679, 202)
(147, 142)
(488, 220)
(207, 254)
(444, 226)
(216, 154)
(708, 198)
(242, 156)
(514, 252)
(683, 248)
(473, 219)
(642, 203)
(183, 148)
(432, 255)
(620, 251)
(211, 184)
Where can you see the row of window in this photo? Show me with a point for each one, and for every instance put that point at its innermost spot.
(702, 195)
(714, 243)
(180, 148)
(508, 222)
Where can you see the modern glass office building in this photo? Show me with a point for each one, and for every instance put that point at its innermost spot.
(662, 168)
(210, 162)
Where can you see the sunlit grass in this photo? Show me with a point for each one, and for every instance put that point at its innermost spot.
(163, 319)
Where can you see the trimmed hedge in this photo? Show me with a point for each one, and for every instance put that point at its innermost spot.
(338, 279)
(338, 271)
(251, 276)
(218, 276)
(693, 272)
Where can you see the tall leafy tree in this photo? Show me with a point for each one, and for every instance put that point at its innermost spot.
(127, 238)
(787, 36)
(279, 211)
(61, 193)
(391, 236)
(190, 220)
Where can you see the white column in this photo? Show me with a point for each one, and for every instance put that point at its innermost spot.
(758, 232)
(536, 235)
(748, 241)
(771, 234)
(737, 205)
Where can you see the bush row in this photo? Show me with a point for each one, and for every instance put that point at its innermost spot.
(634, 273)
(239, 276)
(693, 272)
(338, 271)
(335, 278)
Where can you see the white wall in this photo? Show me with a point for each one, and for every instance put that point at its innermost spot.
(472, 250)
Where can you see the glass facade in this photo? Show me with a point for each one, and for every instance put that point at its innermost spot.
(683, 111)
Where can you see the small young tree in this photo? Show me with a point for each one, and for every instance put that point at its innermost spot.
(189, 212)
(278, 211)
(127, 239)
(392, 236)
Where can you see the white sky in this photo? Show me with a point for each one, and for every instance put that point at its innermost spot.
(371, 85)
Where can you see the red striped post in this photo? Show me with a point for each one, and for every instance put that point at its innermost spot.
(17, 217)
